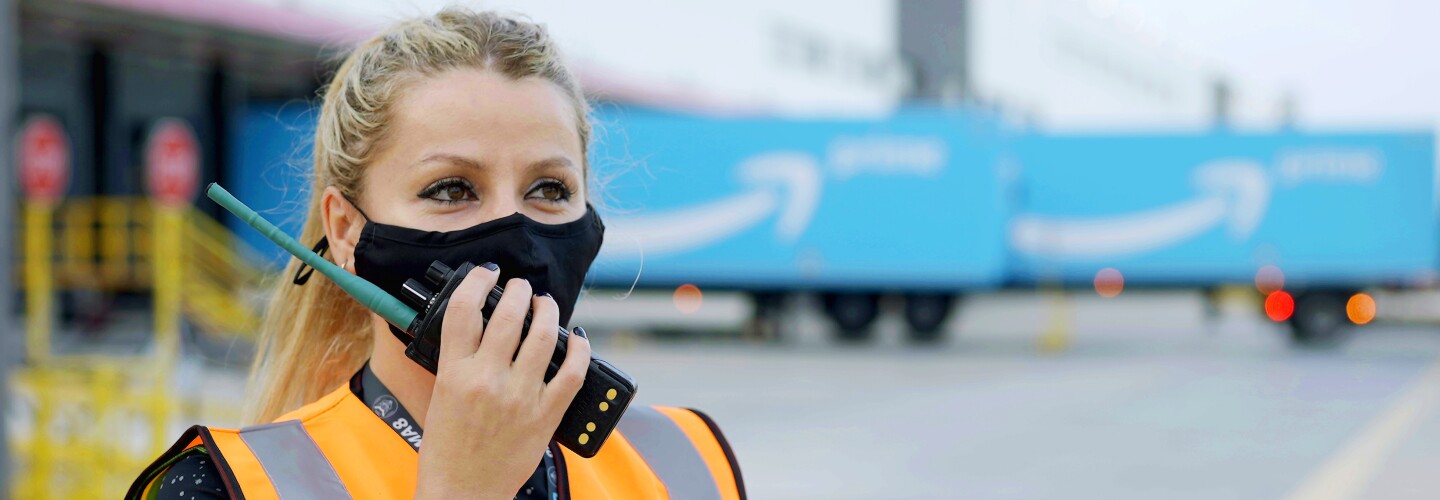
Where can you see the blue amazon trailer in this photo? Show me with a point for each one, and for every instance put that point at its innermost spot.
(1327, 214)
(912, 204)
(929, 205)
(1327, 209)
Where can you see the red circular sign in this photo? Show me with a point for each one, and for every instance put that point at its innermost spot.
(44, 158)
(172, 162)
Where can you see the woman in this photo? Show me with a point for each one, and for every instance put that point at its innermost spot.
(458, 137)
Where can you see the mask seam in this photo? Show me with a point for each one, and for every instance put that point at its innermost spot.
(542, 231)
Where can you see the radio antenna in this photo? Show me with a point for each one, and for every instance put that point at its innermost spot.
(371, 296)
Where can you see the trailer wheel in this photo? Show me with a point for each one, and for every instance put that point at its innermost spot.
(926, 314)
(853, 314)
(1319, 319)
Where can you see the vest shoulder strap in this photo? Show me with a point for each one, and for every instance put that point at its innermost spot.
(280, 454)
(289, 457)
(685, 450)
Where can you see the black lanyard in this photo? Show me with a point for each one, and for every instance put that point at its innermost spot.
(385, 406)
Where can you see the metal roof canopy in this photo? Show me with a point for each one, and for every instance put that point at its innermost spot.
(264, 57)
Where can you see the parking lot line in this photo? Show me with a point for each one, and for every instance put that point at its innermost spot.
(1346, 473)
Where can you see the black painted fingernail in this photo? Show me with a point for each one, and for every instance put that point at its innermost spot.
(581, 332)
(491, 266)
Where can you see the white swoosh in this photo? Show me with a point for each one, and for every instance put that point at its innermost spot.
(1127, 234)
(687, 228)
(783, 181)
(1237, 190)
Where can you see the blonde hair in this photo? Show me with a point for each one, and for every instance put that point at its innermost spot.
(314, 336)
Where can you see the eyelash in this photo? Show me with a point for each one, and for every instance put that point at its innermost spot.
(442, 185)
(565, 191)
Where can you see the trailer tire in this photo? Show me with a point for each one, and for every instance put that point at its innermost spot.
(853, 314)
(1319, 320)
(926, 313)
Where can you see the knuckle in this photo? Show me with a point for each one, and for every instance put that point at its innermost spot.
(570, 379)
(544, 335)
(482, 386)
(508, 315)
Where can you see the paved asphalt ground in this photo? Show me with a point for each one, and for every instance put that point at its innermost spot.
(1151, 399)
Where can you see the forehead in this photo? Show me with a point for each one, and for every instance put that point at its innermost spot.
(485, 115)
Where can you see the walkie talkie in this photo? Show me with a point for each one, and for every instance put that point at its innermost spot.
(591, 417)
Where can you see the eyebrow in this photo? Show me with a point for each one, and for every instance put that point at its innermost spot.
(453, 159)
(545, 164)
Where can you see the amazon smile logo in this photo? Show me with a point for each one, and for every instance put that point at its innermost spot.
(1234, 192)
(783, 183)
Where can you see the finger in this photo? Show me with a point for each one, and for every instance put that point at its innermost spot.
(502, 333)
(464, 325)
(539, 343)
(562, 389)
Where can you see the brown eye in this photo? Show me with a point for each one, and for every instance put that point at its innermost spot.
(454, 193)
(451, 190)
(552, 191)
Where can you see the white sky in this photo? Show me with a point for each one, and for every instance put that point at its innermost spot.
(1348, 62)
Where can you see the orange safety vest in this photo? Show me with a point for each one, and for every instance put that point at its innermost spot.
(336, 447)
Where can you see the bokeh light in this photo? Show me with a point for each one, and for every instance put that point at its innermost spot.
(1269, 279)
(688, 298)
(1109, 282)
(1360, 308)
(1279, 305)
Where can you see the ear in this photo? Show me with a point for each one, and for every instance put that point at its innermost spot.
(343, 224)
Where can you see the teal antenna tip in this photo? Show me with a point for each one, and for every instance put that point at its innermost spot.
(369, 295)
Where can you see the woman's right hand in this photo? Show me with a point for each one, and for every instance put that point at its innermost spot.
(490, 418)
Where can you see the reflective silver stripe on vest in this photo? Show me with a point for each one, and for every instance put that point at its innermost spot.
(669, 452)
(296, 466)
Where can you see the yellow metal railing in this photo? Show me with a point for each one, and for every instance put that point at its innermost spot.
(106, 244)
(219, 276)
(86, 425)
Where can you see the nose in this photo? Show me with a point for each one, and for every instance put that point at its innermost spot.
(495, 205)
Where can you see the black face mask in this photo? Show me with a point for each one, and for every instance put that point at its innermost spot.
(552, 257)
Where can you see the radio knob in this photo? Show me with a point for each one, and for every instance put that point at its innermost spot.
(438, 273)
(416, 294)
